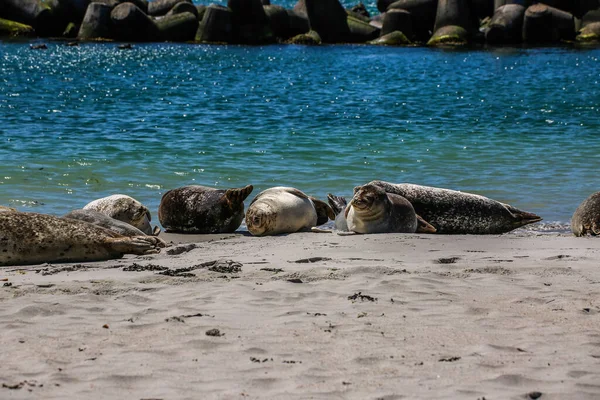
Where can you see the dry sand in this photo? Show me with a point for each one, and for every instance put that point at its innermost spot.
(311, 316)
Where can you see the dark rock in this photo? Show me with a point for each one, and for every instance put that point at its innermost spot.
(329, 19)
(506, 26)
(449, 35)
(422, 13)
(544, 24)
(182, 7)
(309, 38)
(395, 38)
(397, 20)
(180, 27)
(161, 7)
(96, 23)
(131, 24)
(360, 9)
(216, 26)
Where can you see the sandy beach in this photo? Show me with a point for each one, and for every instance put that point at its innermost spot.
(310, 316)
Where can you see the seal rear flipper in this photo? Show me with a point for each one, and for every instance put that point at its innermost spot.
(424, 226)
(522, 218)
(238, 195)
(337, 203)
(324, 211)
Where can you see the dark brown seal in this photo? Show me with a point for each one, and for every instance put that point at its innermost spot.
(453, 212)
(201, 209)
(586, 219)
(31, 238)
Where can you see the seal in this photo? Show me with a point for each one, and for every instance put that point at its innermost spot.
(201, 209)
(126, 209)
(31, 238)
(285, 210)
(103, 220)
(586, 219)
(340, 207)
(454, 212)
(7, 209)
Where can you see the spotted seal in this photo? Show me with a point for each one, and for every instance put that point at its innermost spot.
(586, 219)
(31, 238)
(103, 220)
(125, 208)
(285, 210)
(201, 209)
(454, 212)
(372, 210)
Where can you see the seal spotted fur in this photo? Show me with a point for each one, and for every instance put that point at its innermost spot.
(372, 210)
(125, 208)
(31, 238)
(453, 212)
(586, 219)
(201, 209)
(103, 220)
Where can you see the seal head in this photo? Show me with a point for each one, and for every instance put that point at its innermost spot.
(282, 210)
(124, 208)
(372, 210)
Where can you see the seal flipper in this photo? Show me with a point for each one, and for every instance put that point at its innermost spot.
(338, 204)
(140, 245)
(324, 211)
(522, 218)
(238, 195)
(424, 226)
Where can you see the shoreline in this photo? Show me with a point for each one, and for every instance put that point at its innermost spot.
(311, 315)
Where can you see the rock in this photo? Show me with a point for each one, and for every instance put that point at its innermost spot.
(180, 27)
(131, 24)
(309, 38)
(216, 25)
(249, 21)
(15, 29)
(395, 38)
(397, 20)
(96, 23)
(506, 26)
(544, 24)
(161, 7)
(182, 7)
(590, 28)
(450, 35)
(422, 13)
(329, 19)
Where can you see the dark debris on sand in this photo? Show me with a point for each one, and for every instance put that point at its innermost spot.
(361, 297)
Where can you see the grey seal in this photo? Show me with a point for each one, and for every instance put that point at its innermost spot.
(202, 209)
(454, 212)
(103, 220)
(372, 210)
(282, 209)
(125, 208)
(31, 238)
(586, 219)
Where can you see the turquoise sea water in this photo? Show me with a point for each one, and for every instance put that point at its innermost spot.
(77, 123)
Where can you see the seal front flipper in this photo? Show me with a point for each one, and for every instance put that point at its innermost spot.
(140, 245)
(424, 226)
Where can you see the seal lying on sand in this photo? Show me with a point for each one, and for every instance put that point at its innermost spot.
(126, 209)
(454, 212)
(372, 210)
(7, 209)
(30, 238)
(586, 219)
(103, 220)
(285, 210)
(201, 209)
